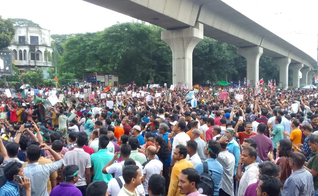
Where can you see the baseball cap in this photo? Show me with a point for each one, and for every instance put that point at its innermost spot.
(227, 115)
(137, 127)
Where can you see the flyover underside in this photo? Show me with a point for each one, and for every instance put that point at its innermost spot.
(221, 22)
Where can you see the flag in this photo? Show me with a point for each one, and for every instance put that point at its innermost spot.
(107, 89)
(274, 82)
(55, 78)
(261, 81)
(244, 81)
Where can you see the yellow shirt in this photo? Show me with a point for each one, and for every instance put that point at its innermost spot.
(55, 119)
(43, 161)
(19, 115)
(174, 179)
(295, 137)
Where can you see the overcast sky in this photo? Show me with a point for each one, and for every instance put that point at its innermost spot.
(294, 20)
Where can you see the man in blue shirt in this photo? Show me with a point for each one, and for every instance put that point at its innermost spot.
(135, 131)
(13, 171)
(307, 131)
(212, 150)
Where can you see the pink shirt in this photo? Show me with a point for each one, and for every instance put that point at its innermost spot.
(195, 194)
(223, 95)
(208, 134)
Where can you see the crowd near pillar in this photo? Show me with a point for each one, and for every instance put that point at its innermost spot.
(252, 56)
(182, 43)
(283, 64)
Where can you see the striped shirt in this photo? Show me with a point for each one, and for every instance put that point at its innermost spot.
(9, 189)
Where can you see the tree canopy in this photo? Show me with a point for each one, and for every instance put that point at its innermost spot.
(20, 22)
(6, 33)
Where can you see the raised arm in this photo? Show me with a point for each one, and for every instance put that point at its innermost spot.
(3, 150)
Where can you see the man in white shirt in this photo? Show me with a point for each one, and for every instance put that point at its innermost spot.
(150, 167)
(193, 156)
(203, 126)
(251, 173)
(201, 144)
(116, 184)
(73, 127)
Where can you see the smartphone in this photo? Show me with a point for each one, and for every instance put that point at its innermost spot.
(241, 118)
(17, 179)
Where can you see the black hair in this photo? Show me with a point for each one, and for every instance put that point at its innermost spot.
(81, 139)
(57, 145)
(108, 121)
(103, 141)
(192, 144)
(12, 149)
(251, 151)
(125, 150)
(271, 185)
(313, 139)
(129, 162)
(24, 142)
(148, 135)
(269, 168)
(117, 121)
(33, 153)
(296, 122)
(285, 148)
(11, 169)
(69, 171)
(1, 159)
(73, 136)
(130, 172)
(182, 150)
(134, 143)
(95, 132)
(102, 131)
(215, 147)
(134, 120)
(223, 121)
(281, 112)
(210, 120)
(193, 123)
(217, 129)
(278, 119)
(111, 128)
(55, 136)
(97, 188)
(264, 112)
(103, 115)
(156, 184)
(163, 152)
(251, 142)
(261, 128)
(193, 175)
(124, 139)
(182, 124)
(99, 123)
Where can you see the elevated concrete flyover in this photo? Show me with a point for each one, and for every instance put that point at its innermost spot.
(183, 20)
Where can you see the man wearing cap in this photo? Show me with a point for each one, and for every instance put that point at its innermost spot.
(136, 130)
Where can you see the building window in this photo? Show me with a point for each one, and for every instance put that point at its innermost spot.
(14, 55)
(25, 55)
(22, 40)
(34, 40)
(20, 55)
(32, 56)
(37, 56)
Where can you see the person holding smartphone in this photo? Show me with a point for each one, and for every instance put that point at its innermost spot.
(13, 171)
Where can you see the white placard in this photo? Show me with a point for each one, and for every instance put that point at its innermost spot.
(138, 95)
(172, 87)
(85, 90)
(103, 95)
(71, 117)
(158, 94)
(61, 97)
(8, 93)
(149, 98)
(110, 104)
(69, 92)
(295, 107)
(53, 99)
(239, 97)
(81, 96)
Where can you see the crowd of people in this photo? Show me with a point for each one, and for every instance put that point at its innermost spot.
(220, 141)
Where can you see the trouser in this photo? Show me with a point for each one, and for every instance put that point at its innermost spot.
(166, 174)
(236, 186)
(223, 193)
(274, 152)
(316, 192)
(82, 189)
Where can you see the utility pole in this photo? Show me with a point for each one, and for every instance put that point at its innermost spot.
(55, 59)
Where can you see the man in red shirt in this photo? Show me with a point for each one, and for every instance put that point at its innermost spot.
(208, 133)
(126, 126)
(13, 115)
(248, 131)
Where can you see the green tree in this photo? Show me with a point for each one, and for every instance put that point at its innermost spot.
(33, 77)
(6, 32)
(21, 22)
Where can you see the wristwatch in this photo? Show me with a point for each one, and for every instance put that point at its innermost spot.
(19, 131)
(169, 139)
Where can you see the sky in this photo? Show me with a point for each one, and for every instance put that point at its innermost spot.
(296, 21)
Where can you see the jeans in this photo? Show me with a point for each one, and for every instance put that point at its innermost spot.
(316, 192)
(82, 189)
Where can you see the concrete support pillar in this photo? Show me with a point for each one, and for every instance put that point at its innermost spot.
(310, 76)
(296, 68)
(304, 72)
(283, 64)
(252, 56)
(182, 42)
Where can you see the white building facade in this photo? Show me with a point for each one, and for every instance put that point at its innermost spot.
(31, 48)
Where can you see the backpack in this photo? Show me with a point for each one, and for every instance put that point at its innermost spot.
(206, 184)
(120, 184)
